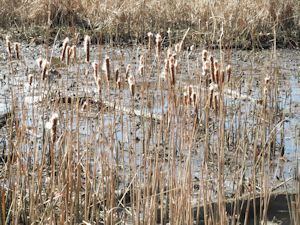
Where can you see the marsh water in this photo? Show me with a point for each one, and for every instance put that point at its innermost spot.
(249, 69)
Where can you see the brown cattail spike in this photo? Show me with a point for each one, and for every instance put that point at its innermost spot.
(17, 47)
(228, 71)
(73, 53)
(52, 125)
(30, 79)
(68, 54)
(64, 48)
(172, 70)
(204, 55)
(8, 46)
(118, 79)
(99, 85)
(107, 68)
(87, 45)
(45, 69)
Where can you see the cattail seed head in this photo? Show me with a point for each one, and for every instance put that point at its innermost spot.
(95, 66)
(39, 62)
(267, 80)
(212, 67)
(64, 48)
(127, 73)
(84, 106)
(17, 47)
(68, 54)
(107, 68)
(150, 35)
(131, 83)
(99, 85)
(73, 53)
(52, 125)
(204, 55)
(8, 46)
(87, 45)
(30, 79)
(158, 41)
(118, 79)
(169, 52)
(205, 68)
(228, 71)
(172, 70)
(45, 69)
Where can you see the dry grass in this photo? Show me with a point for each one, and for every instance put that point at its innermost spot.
(91, 147)
(243, 23)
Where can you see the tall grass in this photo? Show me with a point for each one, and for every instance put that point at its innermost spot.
(244, 23)
(174, 143)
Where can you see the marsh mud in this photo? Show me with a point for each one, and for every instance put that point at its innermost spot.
(125, 131)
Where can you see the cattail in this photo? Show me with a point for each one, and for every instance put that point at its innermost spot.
(222, 76)
(216, 103)
(158, 41)
(127, 71)
(165, 73)
(17, 47)
(45, 68)
(172, 70)
(186, 98)
(30, 79)
(205, 68)
(68, 53)
(95, 66)
(177, 48)
(228, 71)
(73, 53)
(141, 66)
(150, 35)
(131, 82)
(106, 68)
(212, 67)
(204, 56)
(267, 80)
(118, 79)
(87, 44)
(194, 98)
(169, 52)
(216, 72)
(8, 46)
(190, 91)
(84, 106)
(169, 36)
(52, 125)
(39, 62)
(64, 48)
(211, 89)
(99, 85)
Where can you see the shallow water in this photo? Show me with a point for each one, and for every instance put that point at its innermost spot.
(249, 68)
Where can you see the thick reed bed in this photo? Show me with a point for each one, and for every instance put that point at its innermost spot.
(244, 23)
(154, 135)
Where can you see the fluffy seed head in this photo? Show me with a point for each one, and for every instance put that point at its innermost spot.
(45, 69)
(64, 48)
(8, 46)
